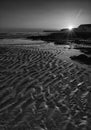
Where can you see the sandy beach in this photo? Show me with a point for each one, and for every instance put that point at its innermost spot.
(41, 88)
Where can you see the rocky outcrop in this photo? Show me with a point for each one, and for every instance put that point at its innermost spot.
(85, 27)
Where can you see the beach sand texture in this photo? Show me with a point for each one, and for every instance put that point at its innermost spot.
(41, 90)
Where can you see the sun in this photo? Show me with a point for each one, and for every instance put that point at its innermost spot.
(70, 27)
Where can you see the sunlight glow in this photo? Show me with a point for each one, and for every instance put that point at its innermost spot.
(70, 27)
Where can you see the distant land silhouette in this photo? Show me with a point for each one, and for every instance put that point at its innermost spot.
(83, 32)
(79, 35)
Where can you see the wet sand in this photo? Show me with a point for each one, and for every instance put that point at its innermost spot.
(41, 88)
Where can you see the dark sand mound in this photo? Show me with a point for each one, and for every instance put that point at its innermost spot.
(82, 59)
(85, 50)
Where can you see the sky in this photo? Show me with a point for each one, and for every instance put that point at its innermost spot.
(44, 14)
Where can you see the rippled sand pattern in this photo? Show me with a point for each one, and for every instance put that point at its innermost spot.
(40, 92)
